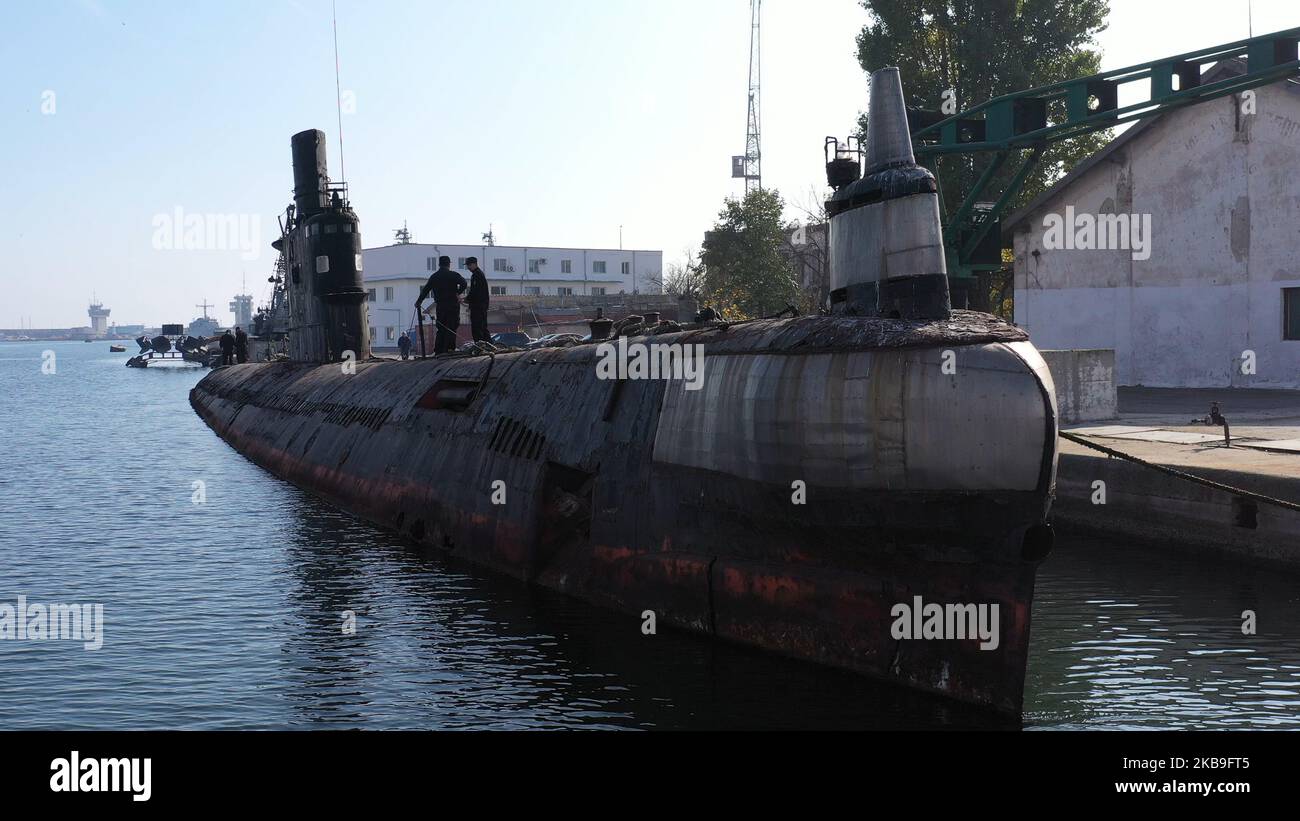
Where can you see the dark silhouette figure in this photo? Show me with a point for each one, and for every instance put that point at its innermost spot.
(446, 286)
(241, 346)
(404, 345)
(477, 300)
(227, 348)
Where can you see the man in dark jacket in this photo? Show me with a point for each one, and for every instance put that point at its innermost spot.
(241, 346)
(227, 348)
(477, 300)
(404, 346)
(446, 286)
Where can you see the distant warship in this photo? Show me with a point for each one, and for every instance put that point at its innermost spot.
(827, 471)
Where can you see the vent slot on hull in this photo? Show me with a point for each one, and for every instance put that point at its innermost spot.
(511, 437)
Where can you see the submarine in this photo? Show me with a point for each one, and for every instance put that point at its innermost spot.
(824, 475)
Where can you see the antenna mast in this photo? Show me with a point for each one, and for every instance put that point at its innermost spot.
(338, 93)
(753, 150)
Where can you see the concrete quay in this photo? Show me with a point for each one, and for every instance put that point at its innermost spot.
(1138, 503)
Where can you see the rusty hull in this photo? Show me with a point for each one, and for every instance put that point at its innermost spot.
(592, 512)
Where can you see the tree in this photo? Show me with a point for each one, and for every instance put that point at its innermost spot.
(685, 278)
(981, 49)
(744, 271)
(806, 245)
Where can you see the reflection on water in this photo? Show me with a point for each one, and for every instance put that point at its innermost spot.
(1130, 638)
(230, 614)
(443, 644)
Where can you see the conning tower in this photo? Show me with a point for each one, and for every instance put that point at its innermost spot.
(886, 240)
(328, 316)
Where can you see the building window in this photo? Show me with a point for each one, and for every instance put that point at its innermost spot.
(388, 294)
(533, 290)
(1291, 313)
(627, 268)
(372, 332)
(460, 263)
(534, 266)
(370, 295)
(566, 266)
(430, 264)
(598, 267)
(500, 265)
(390, 333)
(498, 290)
(562, 291)
(597, 291)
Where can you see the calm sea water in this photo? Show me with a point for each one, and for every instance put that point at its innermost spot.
(228, 614)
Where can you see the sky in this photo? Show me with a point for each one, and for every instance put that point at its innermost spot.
(555, 122)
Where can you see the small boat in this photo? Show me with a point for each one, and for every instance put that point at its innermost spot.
(117, 348)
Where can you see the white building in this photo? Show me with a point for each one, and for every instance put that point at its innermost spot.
(98, 319)
(394, 275)
(242, 307)
(1213, 300)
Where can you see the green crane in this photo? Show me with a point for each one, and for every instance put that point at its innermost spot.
(1017, 127)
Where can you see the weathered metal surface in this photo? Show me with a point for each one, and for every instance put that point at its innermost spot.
(711, 544)
(886, 248)
(887, 239)
(321, 247)
(879, 420)
(817, 334)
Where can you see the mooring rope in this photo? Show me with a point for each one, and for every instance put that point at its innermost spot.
(1200, 480)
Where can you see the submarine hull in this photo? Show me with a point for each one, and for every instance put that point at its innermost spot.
(818, 474)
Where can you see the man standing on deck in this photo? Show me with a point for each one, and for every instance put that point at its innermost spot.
(477, 300)
(241, 345)
(227, 348)
(446, 286)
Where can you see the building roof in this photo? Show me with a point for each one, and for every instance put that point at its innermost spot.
(1219, 71)
(513, 247)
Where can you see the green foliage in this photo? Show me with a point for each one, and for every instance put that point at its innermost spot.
(983, 49)
(744, 271)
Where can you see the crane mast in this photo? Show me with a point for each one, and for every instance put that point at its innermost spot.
(750, 166)
(753, 144)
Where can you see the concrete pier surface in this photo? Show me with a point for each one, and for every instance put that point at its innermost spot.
(1136, 500)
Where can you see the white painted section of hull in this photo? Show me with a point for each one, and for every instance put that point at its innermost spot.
(883, 420)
